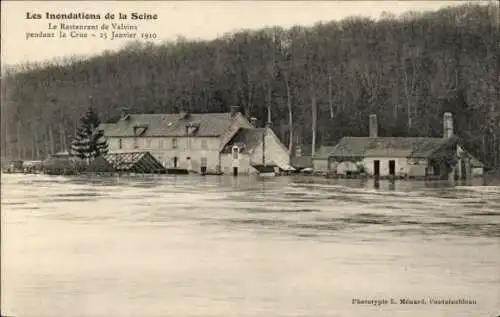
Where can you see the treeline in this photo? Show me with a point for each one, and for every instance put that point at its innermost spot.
(320, 83)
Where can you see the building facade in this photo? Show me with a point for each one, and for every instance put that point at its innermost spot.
(254, 147)
(417, 157)
(191, 141)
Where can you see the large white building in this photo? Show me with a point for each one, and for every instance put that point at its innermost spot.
(201, 142)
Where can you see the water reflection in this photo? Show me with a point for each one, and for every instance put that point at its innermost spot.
(424, 208)
(236, 246)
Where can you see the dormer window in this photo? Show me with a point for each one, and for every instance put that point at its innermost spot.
(139, 130)
(191, 128)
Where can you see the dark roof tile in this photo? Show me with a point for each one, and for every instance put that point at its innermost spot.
(323, 152)
(387, 146)
(247, 138)
(142, 162)
(209, 124)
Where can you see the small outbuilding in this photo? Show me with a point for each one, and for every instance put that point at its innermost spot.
(477, 167)
(320, 158)
(63, 163)
(414, 157)
(301, 158)
(132, 162)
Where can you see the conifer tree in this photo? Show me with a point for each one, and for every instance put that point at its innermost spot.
(89, 141)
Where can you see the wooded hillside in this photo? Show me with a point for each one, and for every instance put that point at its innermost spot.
(321, 83)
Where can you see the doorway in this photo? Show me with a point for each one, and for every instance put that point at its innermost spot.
(392, 167)
(175, 162)
(203, 165)
(235, 171)
(464, 170)
(376, 168)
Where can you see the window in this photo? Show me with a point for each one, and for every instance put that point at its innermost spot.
(204, 144)
(204, 161)
(148, 143)
(235, 152)
(120, 144)
(160, 144)
(174, 143)
(136, 143)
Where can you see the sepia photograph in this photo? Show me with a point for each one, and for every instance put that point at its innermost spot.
(250, 158)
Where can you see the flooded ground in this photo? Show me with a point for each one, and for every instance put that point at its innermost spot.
(223, 246)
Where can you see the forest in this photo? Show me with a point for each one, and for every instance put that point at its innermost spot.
(316, 84)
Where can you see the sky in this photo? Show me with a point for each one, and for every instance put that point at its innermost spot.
(190, 19)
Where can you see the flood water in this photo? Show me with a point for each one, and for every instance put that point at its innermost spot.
(223, 246)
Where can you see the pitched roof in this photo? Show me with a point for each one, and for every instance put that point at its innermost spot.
(301, 161)
(246, 138)
(141, 162)
(388, 146)
(206, 124)
(475, 162)
(323, 152)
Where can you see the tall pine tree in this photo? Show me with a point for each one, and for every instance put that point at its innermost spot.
(89, 141)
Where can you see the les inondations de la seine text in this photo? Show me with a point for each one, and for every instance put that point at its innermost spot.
(83, 25)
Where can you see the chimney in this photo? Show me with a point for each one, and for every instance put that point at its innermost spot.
(447, 125)
(234, 110)
(253, 121)
(124, 112)
(183, 112)
(373, 126)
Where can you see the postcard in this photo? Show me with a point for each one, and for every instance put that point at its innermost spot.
(250, 158)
